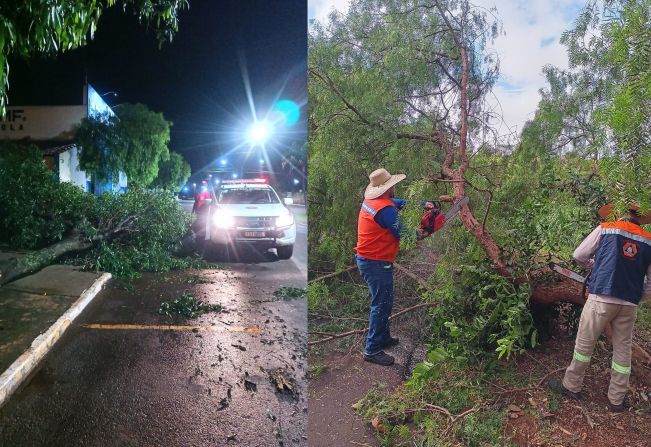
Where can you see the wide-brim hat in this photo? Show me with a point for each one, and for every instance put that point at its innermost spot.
(606, 210)
(381, 182)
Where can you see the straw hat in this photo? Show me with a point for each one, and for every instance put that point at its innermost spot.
(381, 182)
(604, 213)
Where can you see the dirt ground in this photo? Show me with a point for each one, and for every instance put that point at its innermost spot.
(581, 423)
(346, 379)
(533, 417)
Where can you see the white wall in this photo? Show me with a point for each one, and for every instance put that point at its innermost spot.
(69, 170)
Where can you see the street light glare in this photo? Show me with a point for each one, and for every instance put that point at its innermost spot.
(260, 132)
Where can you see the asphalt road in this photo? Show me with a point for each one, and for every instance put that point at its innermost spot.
(141, 383)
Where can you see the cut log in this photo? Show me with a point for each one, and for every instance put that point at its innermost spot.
(566, 290)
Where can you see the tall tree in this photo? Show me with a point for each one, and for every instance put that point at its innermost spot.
(397, 75)
(29, 27)
(600, 105)
(134, 141)
(172, 173)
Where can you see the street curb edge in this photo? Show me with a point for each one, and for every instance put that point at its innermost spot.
(23, 366)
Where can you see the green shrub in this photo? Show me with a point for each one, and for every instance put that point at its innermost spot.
(37, 210)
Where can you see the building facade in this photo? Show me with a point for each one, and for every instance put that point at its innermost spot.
(52, 128)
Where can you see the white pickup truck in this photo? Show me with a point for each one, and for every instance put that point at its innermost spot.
(249, 211)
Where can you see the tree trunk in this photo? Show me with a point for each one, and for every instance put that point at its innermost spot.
(18, 267)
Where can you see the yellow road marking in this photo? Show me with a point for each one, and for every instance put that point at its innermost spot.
(171, 327)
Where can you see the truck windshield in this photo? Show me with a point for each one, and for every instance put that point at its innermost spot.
(247, 196)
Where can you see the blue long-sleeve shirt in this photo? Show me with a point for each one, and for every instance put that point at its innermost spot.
(388, 218)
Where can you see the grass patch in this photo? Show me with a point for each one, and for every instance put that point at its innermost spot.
(407, 416)
(187, 306)
(316, 369)
(290, 293)
(644, 315)
(481, 429)
(338, 299)
(337, 307)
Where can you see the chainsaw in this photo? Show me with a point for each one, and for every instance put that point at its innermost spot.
(433, 220)
(572, 275)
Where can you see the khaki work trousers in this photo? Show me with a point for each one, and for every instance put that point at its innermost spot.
(594, 317)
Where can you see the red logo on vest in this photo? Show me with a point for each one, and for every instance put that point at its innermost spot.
(629, 249)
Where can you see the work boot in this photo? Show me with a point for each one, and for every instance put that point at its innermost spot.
(557, 387)
(391, 341)
(619, 408)
(381, 358)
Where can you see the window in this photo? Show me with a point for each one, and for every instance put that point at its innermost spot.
(247, 196)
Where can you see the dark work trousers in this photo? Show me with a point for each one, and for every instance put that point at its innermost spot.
(379, 277)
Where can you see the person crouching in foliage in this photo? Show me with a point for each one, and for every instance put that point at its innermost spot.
(622, 258)
(378, 239)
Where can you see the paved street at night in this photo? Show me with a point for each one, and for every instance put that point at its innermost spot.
(120, 377)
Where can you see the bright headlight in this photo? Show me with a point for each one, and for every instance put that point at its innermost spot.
(223, 220)
(285, 220)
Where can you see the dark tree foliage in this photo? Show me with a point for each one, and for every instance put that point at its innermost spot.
(30, 27)
(172, 173)
(134, 140)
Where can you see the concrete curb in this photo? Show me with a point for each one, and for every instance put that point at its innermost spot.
(24, 365)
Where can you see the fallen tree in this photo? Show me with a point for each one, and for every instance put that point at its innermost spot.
(122, 233)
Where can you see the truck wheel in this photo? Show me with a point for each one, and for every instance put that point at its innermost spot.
(285, 252)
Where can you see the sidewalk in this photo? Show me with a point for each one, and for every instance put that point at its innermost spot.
(34, 312)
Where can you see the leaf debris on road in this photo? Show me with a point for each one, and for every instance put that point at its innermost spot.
(187, 306)
(290, 293)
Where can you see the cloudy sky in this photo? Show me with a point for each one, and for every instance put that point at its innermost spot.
(533, 29)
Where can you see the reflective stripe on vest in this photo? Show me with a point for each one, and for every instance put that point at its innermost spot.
(621, 261)
(373, 241)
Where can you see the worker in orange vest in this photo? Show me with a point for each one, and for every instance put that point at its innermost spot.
(378, 239)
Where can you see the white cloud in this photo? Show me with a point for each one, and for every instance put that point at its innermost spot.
(320, 9)
(528, 24)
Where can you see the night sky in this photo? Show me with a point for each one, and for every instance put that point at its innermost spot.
(196, 81)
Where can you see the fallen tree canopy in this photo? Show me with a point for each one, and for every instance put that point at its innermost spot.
(122, 233)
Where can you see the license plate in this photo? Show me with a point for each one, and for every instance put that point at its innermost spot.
(254, 234)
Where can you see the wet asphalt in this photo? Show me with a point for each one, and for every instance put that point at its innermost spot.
(207, 386)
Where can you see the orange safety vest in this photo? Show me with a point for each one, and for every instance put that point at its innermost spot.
(373, 241)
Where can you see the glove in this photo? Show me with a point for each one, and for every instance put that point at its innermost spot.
(439, 222)
(428, 221)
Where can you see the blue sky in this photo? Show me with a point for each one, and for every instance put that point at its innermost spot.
(533, 29)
